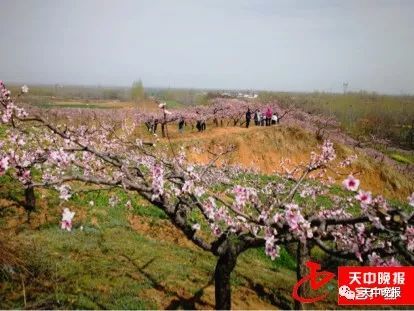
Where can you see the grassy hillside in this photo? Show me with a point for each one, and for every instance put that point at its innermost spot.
(123, 259)
(116, 258)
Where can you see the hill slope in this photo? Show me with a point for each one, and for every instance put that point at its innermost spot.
(262, 148)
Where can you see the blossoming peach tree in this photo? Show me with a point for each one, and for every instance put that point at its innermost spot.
(237, 208)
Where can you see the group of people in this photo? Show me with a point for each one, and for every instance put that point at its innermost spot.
(262, 118)
(200, 125)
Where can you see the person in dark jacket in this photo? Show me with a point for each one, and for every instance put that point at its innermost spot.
(181, 125)
(155, 124)
(248, 117)
(256, 118)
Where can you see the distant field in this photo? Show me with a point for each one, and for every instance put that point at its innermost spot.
(174, 104)
(361, 114)
(79, 104)
(88, 104)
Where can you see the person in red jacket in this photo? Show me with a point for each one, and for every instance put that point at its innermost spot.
(268, 116)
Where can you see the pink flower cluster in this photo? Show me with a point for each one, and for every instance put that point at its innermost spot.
(60, 157)
(348, 161)
(327, 155)
(408, 237)
(271, 248)
(66, 222)
(242, 196)
(411, 199)
(4, 165)
(375, 260)
(8, 105)
(364, 197)
(64, 192)
(298, 225)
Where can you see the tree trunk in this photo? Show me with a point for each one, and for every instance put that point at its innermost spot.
(224, 267)
(163, 125)
(30, 201)
(302, 256)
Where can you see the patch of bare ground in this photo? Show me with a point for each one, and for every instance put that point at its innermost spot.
(262, 148)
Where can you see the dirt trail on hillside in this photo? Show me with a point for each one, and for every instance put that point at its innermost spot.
(262, 149)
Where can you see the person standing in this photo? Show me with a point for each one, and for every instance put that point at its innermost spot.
(268, 116)
(274, 119)
(181, 125)
(262, 118)
(155, 124)
(256, 117)
(199, 122)
(248, 117)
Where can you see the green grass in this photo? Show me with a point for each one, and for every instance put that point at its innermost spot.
(174, 104)
(403, 158)
(108, 265)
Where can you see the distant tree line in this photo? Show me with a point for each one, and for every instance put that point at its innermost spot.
(363, 115)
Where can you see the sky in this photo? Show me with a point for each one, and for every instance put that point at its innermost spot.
(227, 44)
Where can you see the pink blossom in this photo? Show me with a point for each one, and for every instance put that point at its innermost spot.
(157, 180)
(199, 191)
(298, 225)
(392, 262)
(277, 217)
(364, 197)
(64, 192)
(188, 186)
(272, 250)
(375, 260)
(411, 199)
(351, 183)
(327, 155)
(4, 165)
(408, 236)
(216, 230)
(24, 176)
(67, 216)
(348, 161)
(60, 157)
